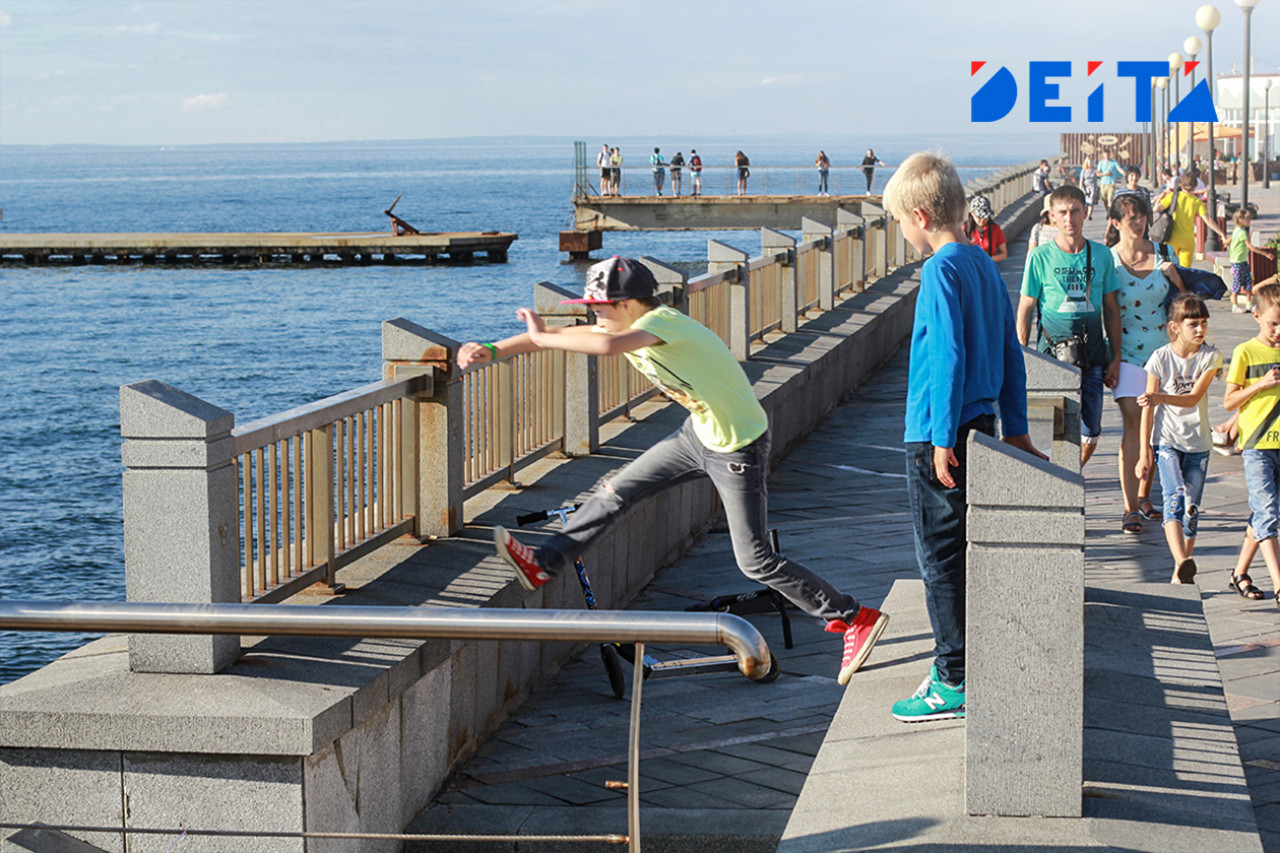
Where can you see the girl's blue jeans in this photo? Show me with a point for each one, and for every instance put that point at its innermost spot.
(1182, 484)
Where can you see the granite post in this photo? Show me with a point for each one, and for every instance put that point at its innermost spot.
(720, 258)
(1053, 384)
(814, 231)
(409, 349)
(776, 243)
(851, 233)
(878, 236)
(581, 371)
(181, 519)
(1024, 654)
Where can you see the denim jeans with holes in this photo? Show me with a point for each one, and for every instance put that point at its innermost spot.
(939, 516)
(741, 478)
(1182, 484)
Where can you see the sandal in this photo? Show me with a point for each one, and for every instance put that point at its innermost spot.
(1185, 571)
(1243, 584)
(1147, 510)
(1132, 522)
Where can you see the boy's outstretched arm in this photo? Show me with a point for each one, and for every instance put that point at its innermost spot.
(584, 339)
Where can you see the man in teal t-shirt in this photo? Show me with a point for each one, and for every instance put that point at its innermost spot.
(726, 438)
(1109, 172)
(1072, 282)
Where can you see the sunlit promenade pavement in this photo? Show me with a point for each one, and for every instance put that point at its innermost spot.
(724, 759)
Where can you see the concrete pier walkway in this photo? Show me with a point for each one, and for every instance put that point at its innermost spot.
(724, 759)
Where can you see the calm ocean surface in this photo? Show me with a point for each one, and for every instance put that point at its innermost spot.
(258, 341)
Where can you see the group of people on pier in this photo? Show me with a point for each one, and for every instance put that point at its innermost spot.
(609, 161)
(1101, 307)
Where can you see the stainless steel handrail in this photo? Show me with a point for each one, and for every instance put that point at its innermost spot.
(489, 623)
(639, 627)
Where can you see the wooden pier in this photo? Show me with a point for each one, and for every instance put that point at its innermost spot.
(248, 248)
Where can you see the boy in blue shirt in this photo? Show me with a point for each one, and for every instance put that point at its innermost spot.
(965, 359)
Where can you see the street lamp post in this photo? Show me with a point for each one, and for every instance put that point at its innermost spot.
(1162, 130)
(1192, 46)
(1266, 136)
(1175, 69)
(1246, 6)
(1207, 19)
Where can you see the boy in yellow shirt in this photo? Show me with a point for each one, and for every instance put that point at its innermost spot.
(726, 438)
(1253, 386)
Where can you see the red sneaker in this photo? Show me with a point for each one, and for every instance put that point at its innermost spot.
(520, 558)
(860, 637)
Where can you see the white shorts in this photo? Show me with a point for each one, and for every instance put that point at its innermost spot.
(1132, 382)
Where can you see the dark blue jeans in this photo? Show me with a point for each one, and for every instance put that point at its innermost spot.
(938, 516)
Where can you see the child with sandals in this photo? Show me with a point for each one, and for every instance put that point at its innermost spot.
(1175, 425)
(725, 438)
(1253, 387)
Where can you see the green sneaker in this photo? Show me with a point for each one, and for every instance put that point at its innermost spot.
(934, 700)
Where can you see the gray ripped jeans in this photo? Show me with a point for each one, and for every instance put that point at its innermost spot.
(741, 479)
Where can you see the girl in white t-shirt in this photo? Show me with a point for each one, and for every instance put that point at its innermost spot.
(1175, 424)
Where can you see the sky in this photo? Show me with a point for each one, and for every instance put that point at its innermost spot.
(185, 72)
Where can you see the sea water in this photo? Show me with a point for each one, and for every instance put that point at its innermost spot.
(257, 341)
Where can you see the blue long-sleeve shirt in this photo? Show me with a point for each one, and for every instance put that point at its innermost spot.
(965, 355)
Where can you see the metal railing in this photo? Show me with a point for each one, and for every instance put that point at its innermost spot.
(716, 629)
(322, 484)
(709, 301)
(764, 290)
(621, 388)
(513, 415)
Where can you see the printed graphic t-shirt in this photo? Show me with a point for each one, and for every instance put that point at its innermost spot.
(1258, 428)
(1182, 427)
(694, 368)
(1057, 281)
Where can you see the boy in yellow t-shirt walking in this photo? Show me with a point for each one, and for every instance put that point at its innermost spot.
(726, 438)
(1253, 386)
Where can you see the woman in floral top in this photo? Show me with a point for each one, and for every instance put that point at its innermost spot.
(1144, 276)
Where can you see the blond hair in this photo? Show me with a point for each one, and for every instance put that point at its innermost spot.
(928, 182)
(1267, 296)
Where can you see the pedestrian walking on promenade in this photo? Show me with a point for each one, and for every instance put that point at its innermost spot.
(615, 171)
(1144, 279)
(1175, 425)
(1040, 179)
(725, 438)
(1109, 172)
(1089, 183)
(1185, 207)
(695, 172)
(965, 360)
(1071, 282)
(1253, 387)
(982, 232)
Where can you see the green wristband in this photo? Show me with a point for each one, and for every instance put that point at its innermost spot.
(492, 350)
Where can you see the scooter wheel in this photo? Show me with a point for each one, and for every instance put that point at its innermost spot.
(775, 669)
(613, 666)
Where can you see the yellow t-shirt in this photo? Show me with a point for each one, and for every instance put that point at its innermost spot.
(1259, 429)
(693, 367)
(1185, 212)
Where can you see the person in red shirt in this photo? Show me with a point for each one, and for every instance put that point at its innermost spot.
(983, 232)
